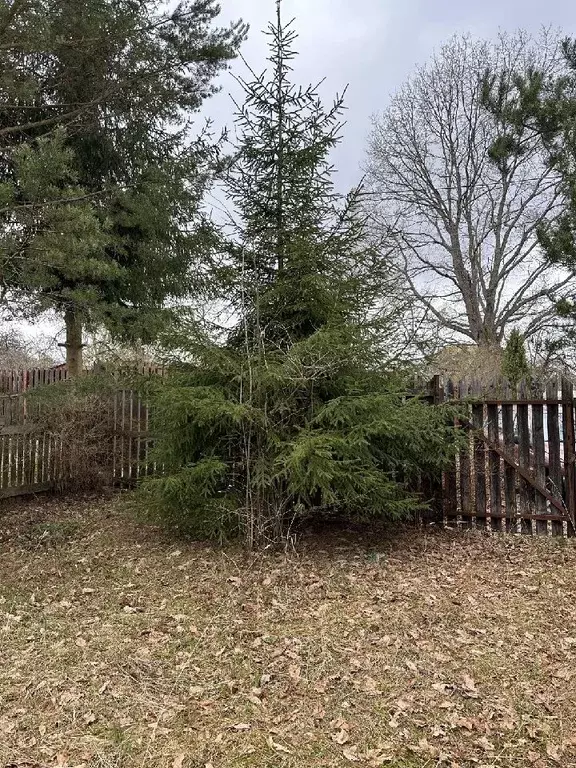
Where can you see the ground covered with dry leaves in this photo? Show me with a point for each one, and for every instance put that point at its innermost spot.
(121, 647)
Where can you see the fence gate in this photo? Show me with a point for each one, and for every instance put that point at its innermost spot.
(517, 470)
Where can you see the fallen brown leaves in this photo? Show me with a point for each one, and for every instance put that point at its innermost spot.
(119, 648)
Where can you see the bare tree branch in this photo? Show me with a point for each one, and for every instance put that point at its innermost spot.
(465, 226)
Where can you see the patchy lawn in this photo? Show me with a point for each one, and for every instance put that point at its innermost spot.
(120, 647)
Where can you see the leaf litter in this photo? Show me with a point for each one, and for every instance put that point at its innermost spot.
(119, 649)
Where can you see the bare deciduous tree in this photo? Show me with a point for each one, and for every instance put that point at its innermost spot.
(462, 222)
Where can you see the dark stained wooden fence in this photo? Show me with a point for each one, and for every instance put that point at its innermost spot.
(517, 470)
(33, 459)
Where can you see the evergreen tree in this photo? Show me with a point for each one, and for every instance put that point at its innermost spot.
(514, 361)
(293, 413)
(101, 178)
(534, 104)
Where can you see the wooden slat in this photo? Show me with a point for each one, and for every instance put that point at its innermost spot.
(554, 443)
(41, 454)
(130, 466)
(479, 455)
(5, 443)
(115, 438)
(450, 501)
(19, 478)
(569, 447)
(523, 417)
(510, 500)
(539, 469)
(9, 467)
(465, 465)
(495, 472)
(123, 433)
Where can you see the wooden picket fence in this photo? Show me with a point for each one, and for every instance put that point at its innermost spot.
(517, 471)
(34, 459)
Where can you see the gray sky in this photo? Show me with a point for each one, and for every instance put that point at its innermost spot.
(372, 46)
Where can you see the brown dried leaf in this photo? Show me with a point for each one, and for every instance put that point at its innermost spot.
(241, 727)
(370, 686)
(485, 744)
(294, 672)
(341, 737)
(278, 747)
(351, 754)
(178, 761)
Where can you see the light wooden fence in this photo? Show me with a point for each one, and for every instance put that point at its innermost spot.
(34, 459)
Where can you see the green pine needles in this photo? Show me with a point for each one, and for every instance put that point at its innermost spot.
(292, 412)
(515, 366)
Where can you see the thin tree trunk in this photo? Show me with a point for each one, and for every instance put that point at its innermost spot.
(73, 344)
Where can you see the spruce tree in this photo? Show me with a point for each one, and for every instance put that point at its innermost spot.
(515, 365)
(102, 178)
(290, 413)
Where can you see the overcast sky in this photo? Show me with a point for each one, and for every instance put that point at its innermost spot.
(372, 45)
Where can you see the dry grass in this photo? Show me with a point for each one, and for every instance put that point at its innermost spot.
(122, 648)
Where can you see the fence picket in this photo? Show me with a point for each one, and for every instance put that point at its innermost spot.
(497, 520)
(465, 465)
(480, 508)
(522, 413)
(449, 489)
(539, 443)
(569, 447)
(554, 445)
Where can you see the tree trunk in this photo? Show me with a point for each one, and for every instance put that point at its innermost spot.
(73, 344)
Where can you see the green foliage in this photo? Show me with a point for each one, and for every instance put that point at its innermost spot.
(515, 365)
(250, 452)
(293, 414)
(100, 174)
(532, 104)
